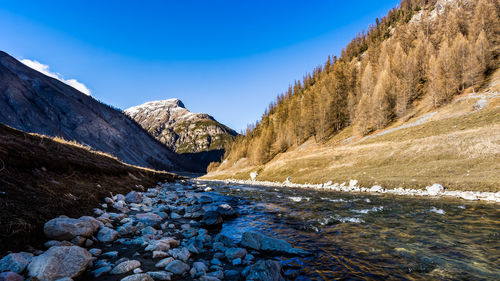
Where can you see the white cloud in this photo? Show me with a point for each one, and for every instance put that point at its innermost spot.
(43, 68)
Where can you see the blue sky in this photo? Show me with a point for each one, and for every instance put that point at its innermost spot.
(225, 58)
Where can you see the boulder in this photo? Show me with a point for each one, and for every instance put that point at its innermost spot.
(125, 267)
(261, 242)
(435, 189)
(138, 277)
(133, 197)
(205, 199)
(177, 267)
(234, 253)
(10, 276)
(265, 270)
(14, 262)
(107, 234)
(59, 262)
(160, 275)
(164, 262)
(68, 228)
(226, 211)
(212, 219)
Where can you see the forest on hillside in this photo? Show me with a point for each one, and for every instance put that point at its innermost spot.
(421, 51)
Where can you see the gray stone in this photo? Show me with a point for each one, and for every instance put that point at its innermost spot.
(127, 229)
(164, 262)
(95, 251)
(133, 197)
(234, 253)
(180, 253)
(112, 254)
(14, 262)
(177, 267)
(236, 262)
(68, 228)
(10, 276)
(59, 262)
(231, 275)
(125, 267)
(100, 271)
(160, 275)
(261, 242)
(107, 234)
(138, 277)
(265, 270)
(149, 219)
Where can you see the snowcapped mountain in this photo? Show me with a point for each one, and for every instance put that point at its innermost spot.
(181, 130)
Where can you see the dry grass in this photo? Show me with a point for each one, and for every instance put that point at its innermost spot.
(459, 148)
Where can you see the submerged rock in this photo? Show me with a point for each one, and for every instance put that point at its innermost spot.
(261, 242)
(212, 219)
(59, 262)
(265, 270)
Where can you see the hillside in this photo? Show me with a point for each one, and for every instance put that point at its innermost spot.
(197, 135)
(41, 178)
(411, 102)
(33, 102)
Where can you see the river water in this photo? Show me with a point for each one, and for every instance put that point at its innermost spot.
(370, 237)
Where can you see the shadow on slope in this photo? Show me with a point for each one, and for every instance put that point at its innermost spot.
(41, 178)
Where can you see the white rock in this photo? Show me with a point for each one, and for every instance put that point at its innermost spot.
(435, 189)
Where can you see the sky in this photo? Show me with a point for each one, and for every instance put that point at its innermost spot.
(229, 59)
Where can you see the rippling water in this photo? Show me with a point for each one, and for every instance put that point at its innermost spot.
(370, 237)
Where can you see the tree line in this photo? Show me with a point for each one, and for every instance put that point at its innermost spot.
(419, 51)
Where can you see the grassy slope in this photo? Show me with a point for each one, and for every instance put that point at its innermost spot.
(458, 147)
(41, 178)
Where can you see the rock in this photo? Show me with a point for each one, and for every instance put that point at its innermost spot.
(265, 270)
(199, 268)
(261, 242)
(107, 235)
(468, 195)
(127, 229)
(231, 275)
(228, 242)
(435, 189)
(212, 219)
(160, 275)
(59, 262)
(137, 270)
(95, 251)
(14, 262)
(149, 219)
(133, 197)
(180, 253)
(253, 175)
(125, 267)
(205, 200)
(159, 254)
(177, 267)
(216, 261)
(236, 262)
(234, 253)
(226, 211)
(100, 271)
(10, 276)
(65, 279)
(68, 228)
(138, 277)
(112, 254)
(376, 188)
(164, 262)
(78, 240)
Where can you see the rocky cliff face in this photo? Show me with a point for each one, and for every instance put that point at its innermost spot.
(181, 130)
(33, 102)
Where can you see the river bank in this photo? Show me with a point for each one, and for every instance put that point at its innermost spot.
(435, 190)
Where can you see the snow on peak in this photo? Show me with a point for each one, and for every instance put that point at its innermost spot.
(155, 105)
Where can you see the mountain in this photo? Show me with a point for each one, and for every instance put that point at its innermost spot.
(428, 69)
(43, 177)
(33, 102)
(195, 135)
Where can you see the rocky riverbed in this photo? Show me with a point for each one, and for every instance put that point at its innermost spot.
(170, 232)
